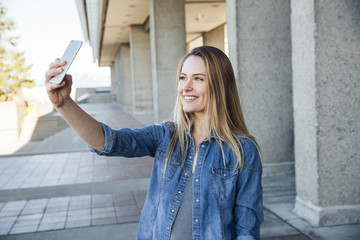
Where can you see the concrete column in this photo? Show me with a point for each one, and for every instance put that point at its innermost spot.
(326, 70)
(113, 80)
(215, 37)
(141, 71)
(260, 51)
(168, 45)
(123, 76)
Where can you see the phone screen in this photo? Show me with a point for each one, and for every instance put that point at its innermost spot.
(68, 56)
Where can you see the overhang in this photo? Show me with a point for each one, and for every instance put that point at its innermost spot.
(106, 23)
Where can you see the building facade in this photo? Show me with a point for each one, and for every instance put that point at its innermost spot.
(297, 65)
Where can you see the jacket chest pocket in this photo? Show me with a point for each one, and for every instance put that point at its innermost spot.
(167, 170)
(223, 181)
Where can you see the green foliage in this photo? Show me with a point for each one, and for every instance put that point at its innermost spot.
(14, 74)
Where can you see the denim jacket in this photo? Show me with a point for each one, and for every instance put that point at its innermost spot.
(227, 202)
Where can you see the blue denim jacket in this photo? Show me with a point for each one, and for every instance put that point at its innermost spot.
(227, 202)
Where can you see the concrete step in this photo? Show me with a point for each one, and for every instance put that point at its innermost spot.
(48, 125)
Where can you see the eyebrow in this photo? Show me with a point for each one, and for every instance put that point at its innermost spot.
(194, 74)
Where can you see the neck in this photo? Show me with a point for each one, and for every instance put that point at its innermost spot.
(198, 131)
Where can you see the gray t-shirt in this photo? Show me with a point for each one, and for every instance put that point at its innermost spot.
(182, 226)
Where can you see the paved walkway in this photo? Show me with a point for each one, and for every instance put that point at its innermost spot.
(57, 189)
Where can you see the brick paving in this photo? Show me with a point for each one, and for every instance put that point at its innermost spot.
(69, 168)
(70, 212)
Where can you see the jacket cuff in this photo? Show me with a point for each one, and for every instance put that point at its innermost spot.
(110, 139)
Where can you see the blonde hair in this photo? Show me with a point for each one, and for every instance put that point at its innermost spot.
(223, 115)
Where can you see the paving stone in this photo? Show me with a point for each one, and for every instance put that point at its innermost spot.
(24, 229)
(51, 226)
(58, 204)
(6, 224)
(130, 212)
(36, 206)
(128, 219)
(79, 218)
(103, 221)
(65, 181)
(79, 212)
(102, 200)
(26, 225)
(123, 198)
(80, 202)
(125, 208)
(76, 224)
(272, 226)
(54, 217)
(140, 197)
(12, 208)
(29, 217)
(102, 212)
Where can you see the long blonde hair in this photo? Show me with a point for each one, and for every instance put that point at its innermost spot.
(223, 115)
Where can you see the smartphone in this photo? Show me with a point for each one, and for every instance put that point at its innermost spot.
(69, 55)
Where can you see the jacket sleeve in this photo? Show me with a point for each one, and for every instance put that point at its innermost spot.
(249, 199)
(131, 142)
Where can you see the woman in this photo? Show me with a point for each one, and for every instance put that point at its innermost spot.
(206, 177)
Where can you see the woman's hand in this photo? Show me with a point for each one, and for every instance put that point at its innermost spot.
(58, 93)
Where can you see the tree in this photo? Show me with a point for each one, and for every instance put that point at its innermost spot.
(14, 74)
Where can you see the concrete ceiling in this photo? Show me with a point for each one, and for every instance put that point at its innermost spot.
(118, 15)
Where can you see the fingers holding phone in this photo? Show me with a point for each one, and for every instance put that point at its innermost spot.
(57, 82)
(59, 93)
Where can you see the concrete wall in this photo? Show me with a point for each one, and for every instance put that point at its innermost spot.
(12, 116)
(326, 70)
(260, 51)
(215, 37)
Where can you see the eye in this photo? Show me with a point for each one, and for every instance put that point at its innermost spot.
(182, 78)
(198, 79)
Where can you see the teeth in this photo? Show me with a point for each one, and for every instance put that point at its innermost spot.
(189, 97)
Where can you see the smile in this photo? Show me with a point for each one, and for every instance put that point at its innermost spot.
(190, 97)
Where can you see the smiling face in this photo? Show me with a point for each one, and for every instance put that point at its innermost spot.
(193, 86)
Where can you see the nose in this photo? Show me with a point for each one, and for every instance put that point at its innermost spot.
(188, 86)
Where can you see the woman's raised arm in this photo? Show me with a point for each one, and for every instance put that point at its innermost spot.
(84, 125)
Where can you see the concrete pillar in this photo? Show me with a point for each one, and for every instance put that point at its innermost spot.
(326, 70)
(215, 37)
(260, 51)
(123, 76)
(168, 45)
(113, 80)
(141, 71)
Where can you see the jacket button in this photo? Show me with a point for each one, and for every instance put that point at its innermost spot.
(172, 210)
(196, 220)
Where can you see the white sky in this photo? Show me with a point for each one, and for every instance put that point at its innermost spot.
(45, 28)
